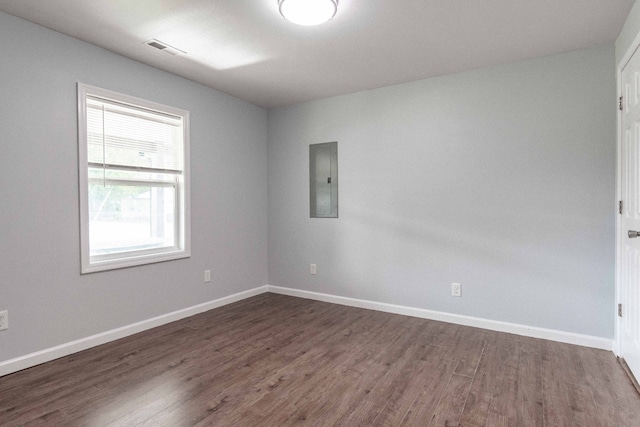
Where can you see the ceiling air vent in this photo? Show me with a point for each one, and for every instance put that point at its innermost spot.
(164, 47)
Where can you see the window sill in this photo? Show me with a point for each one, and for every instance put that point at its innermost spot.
(133, 261)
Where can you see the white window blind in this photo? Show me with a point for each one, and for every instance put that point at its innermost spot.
(127, 137)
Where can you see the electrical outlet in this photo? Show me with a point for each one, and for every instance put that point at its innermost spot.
(4, 320)
(312, 269)
(456, 290)
(207, 276)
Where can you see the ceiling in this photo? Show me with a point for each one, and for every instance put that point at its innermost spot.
(246, 49)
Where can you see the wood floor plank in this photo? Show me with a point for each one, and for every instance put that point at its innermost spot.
(529, 398)
(476, 409)
(449, 410)
(424, 405)
(496, 420)
(275, 360)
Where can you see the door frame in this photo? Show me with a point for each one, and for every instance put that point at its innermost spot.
(635, 46)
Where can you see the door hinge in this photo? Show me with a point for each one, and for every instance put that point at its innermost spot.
(620, 103)
(620, 207)
(619, 310)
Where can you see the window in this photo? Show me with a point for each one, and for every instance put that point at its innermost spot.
(134, 180)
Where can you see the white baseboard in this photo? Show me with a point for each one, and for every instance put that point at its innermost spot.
(33, 359)
(493, 325)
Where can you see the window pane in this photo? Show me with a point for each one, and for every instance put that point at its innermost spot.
(130, 217)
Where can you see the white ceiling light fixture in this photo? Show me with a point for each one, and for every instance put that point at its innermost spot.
(308, 12)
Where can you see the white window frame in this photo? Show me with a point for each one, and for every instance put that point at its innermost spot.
(182, 233)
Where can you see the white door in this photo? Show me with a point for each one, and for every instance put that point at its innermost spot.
(629, 254)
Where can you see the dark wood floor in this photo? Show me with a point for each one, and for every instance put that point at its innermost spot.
(274, 360)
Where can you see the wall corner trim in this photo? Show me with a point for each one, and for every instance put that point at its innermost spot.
(493, 325)
(49, 354)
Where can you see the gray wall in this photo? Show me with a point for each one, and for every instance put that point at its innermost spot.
(501, 179)
(49, 302)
